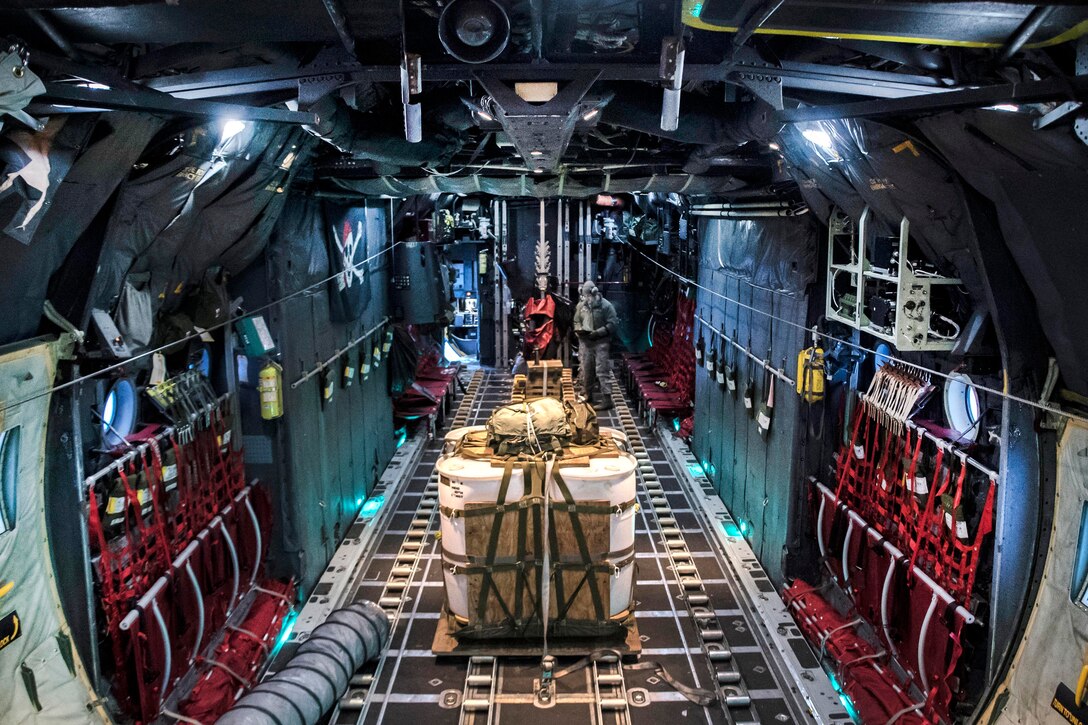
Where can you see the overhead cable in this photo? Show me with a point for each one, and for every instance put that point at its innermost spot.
(828, 336)
(195, 335)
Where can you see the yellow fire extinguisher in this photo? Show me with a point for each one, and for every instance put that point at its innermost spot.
(270, 387)
(810, 372)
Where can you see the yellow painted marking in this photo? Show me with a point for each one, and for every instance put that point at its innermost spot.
(690, 20)
(907, 145)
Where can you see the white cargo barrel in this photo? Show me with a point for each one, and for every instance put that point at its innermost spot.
(619, 438)
(466, 480)
(454, 437)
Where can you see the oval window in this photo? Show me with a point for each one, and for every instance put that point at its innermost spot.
(118, 412)
(9, 478)
(962, 407)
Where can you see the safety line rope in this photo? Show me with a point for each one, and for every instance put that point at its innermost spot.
(341, 351)
(230, 320)
(828, 336)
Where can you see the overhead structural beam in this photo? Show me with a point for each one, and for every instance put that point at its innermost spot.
(1073, 88)
(127, 100)
(1032, 22)
(755, 21)
(340, 22)
(806, 76)
(51, 30)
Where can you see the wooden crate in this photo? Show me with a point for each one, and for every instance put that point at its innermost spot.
(545, 378)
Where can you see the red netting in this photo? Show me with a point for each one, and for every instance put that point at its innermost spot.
(179, 539)
(945, 548)
(904, 534)
(875, 691)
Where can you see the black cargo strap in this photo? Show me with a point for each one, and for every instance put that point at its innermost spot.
(463, 564)
(534, 470)
(699, 696)
(530, 501)
(488, 582)
(583, 551)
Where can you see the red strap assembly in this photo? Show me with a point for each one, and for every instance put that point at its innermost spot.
(906, 546)
(171, 565)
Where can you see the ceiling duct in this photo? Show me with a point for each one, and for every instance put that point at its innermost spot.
(704, 122)
(474, 31)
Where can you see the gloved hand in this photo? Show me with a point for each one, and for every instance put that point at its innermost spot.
(600, 333)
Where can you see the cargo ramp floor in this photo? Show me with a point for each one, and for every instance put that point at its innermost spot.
(706, 611)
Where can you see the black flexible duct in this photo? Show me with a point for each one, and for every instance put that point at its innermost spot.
(318, 674)
(379, 137)
(703, 122)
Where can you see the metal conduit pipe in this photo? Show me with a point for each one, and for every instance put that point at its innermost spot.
(742, 214)
(317, 676)
(1035, 19)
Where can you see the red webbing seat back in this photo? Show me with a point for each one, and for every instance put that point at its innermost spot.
(662, 343)
(946, 549)
(922, 504)
(158, 559)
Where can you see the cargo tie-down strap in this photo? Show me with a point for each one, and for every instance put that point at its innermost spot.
(699, 696)
(526, 560)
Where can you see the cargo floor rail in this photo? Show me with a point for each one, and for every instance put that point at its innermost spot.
(355, 704)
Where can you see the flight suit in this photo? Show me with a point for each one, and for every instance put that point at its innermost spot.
(594, 324)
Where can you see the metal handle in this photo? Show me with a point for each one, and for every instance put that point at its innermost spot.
(199, 596)
(233, 558)
(922, 644)
(257, 535)
(168, 664)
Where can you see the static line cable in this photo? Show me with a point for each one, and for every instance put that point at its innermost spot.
(339, 353)
(767, 365)
(828, 336)
(193, 336)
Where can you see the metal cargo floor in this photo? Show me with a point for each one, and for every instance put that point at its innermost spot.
(396, 562)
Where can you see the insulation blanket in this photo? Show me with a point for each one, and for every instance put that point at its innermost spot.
(39, 687)
(1054, 643)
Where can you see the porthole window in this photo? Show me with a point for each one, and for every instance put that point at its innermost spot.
(9, 478)
(962, 408)
(1078, 591)
(118, 412)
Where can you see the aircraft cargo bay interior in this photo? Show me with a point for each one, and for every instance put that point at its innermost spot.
(472, 362)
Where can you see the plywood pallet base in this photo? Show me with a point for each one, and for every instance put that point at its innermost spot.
(447, 645)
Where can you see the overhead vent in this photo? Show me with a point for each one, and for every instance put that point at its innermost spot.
(474, 31)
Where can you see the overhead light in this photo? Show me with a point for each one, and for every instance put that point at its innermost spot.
(590, 114)
(538, 171)
(819, 137)
(1010, 107)
(484, 116)
(230, 128)
(540, 92)
(774, 147)
(536, 153)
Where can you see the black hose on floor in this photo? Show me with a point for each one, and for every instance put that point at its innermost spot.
(319, 672)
